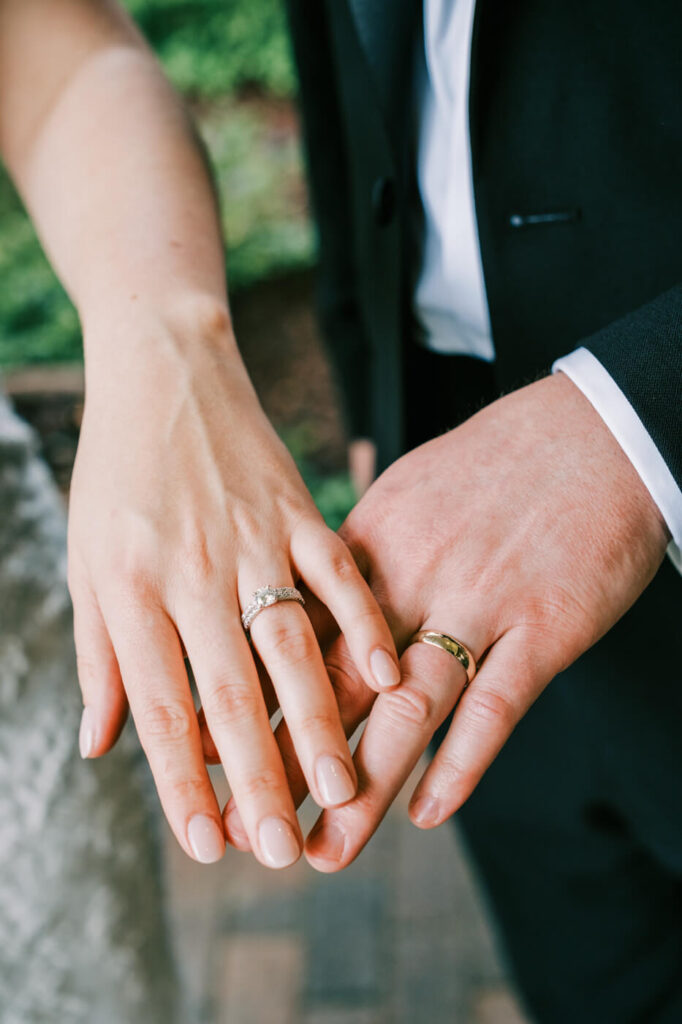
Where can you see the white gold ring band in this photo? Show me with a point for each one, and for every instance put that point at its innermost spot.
(264, 597)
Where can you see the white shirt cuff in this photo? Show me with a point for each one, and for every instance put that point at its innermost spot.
(599, 387)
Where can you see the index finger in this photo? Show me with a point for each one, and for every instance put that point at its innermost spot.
(330, 571)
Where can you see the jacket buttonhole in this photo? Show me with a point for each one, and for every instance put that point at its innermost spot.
(527, 220)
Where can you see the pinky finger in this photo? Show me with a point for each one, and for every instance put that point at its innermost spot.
(105, 706)
(505, 687)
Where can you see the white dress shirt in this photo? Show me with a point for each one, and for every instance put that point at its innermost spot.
(450, 300)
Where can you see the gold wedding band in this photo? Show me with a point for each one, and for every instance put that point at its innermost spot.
(448, 643)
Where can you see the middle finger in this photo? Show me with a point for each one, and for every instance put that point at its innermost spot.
(283, 636)
(354, 700)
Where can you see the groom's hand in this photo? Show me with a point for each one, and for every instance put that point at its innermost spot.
(525, 533)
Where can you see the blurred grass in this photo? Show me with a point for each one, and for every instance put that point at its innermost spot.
(333, 493)
(231, 60)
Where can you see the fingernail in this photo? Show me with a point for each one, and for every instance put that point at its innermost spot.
(425, 811)
(327, 841)
(278, 842)
(334, 782)
(206, 839)
(384, 669)
(86, 733)
(235, 828)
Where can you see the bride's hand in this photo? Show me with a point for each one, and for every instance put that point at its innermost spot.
(183, 503)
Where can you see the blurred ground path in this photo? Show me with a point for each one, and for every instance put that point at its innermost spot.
(400, 937)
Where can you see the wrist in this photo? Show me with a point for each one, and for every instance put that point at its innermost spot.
(610, 462)
(146, 351)
(139, 329)
(187, 312)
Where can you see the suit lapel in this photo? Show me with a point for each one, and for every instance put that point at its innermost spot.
(388, 30)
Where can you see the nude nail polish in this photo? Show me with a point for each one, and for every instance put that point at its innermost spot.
(384, 669)
(86, 733)
(334, 781)
(278, 842)
(206, 839)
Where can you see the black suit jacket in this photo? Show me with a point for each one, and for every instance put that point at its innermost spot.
(575, 115)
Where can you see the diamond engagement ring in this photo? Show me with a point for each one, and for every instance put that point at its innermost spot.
(266, 596)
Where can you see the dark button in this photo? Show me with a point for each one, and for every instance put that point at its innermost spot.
(383, 201)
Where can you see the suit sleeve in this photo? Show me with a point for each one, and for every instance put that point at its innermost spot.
(328, 176)
(643, 354)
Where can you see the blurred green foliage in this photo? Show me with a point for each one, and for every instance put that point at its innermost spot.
(333, 493)
(258, 168)
(213, 47)
(37, 322)
(231, 59)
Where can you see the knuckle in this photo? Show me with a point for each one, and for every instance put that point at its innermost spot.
(409, 706)
(350, 691)
(229, 703)
(130, 564)
(368, 620)
(187, 790)
(340, 564)
(197, 564)
(291, 643)
(264, 782)
(551, 604)
(131, 577)
(168, 721)
(203, 561)
(344, 674)
(246, 523)
(487, 708)
(318, 722)
(451, 769)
